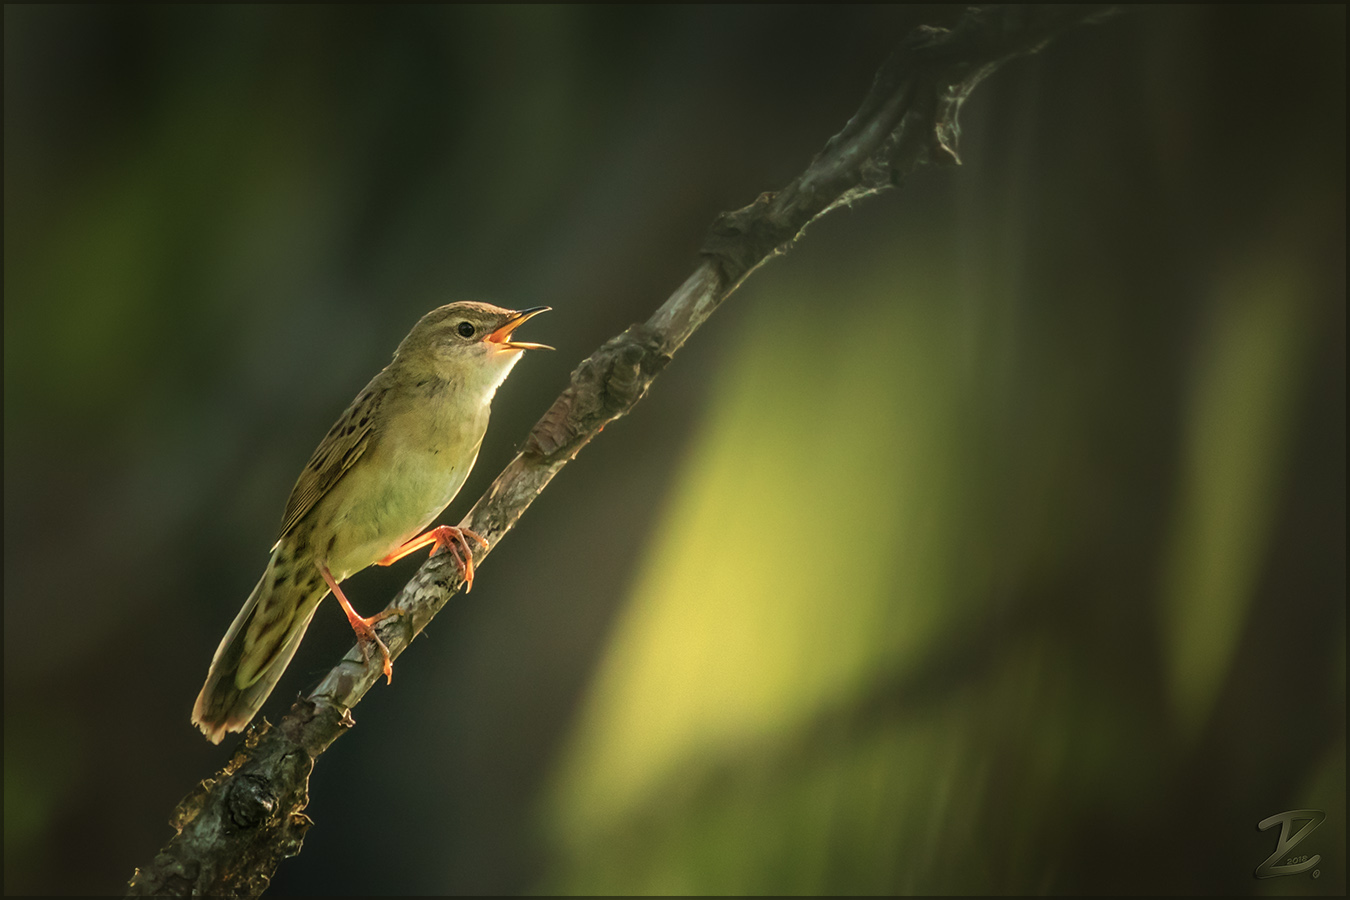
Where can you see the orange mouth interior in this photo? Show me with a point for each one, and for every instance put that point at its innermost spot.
(502, 336)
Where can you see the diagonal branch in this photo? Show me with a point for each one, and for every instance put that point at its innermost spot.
(235, 828)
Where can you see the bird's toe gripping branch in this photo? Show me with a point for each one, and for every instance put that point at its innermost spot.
(454, 540)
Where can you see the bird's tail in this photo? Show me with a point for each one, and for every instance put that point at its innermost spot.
(258, 647)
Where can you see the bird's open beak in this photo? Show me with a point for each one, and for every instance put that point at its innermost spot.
(502, 336)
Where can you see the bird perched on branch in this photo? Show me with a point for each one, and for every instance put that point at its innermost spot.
(394, 460)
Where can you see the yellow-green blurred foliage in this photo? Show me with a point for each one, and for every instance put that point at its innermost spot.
(1238, 429)
(768, 716)
(843, 434)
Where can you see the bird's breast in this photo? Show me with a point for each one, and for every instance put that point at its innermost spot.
(409, 475)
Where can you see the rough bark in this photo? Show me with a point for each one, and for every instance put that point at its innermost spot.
(233, 830)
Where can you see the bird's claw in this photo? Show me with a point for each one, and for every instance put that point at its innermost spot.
(454, 540)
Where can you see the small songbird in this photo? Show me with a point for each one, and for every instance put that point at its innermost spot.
(394, 460)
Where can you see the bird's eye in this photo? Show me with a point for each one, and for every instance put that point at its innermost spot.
(465, 329)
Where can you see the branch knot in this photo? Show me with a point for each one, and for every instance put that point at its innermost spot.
(603, 387)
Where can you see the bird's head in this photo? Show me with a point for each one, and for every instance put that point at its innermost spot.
(468, 341)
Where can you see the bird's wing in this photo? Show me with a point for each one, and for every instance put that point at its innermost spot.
(336, 453)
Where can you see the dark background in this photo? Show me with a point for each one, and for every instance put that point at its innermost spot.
(992, 541)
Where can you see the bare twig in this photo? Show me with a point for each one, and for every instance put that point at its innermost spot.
(235, 828)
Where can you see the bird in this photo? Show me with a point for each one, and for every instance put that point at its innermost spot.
(392, 462)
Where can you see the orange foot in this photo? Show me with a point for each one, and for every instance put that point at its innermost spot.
(453, 540)
(364, 627)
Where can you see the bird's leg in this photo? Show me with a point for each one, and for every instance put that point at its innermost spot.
(364, 627)
(453, 540)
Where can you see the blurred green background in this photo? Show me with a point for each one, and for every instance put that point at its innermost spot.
(991, 541)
